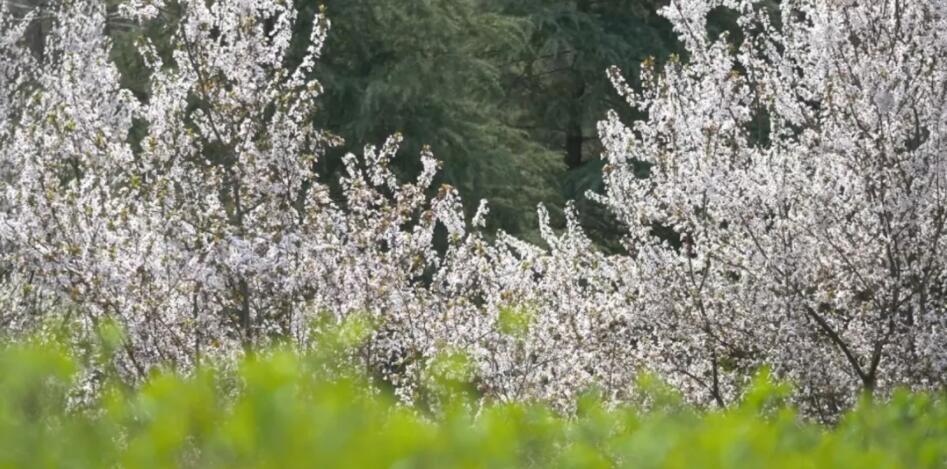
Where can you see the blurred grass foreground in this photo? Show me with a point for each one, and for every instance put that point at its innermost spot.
(277, 409)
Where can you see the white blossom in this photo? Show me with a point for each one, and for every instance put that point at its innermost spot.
(816, 247)
(801, 173)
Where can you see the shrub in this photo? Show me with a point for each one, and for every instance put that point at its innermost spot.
(280, 410)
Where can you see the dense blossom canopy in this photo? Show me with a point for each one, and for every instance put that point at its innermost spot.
(196, 220)
(817, 245)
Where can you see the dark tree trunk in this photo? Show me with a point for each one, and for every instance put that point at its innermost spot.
(36, 36)
(574, 140)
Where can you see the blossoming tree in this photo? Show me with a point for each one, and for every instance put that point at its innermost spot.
(817, 245)
(208, 230)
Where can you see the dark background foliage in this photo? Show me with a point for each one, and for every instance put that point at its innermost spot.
(507, 92)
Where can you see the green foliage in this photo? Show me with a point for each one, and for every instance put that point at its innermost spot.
(506, 92)
(514, 321)
(284, 413)
(559, 82)
(561, 75)
(432, 70)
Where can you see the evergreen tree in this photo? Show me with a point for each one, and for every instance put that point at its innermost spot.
(433, 70)
(558, 82)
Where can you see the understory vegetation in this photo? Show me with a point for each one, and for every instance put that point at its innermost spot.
(285, 409)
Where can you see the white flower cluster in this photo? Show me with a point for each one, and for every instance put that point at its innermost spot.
(195, 218)
(805, 170)
(207, 230)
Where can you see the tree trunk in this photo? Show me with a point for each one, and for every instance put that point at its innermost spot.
(574, 140)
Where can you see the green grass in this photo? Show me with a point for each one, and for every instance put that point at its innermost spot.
(276, 410)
